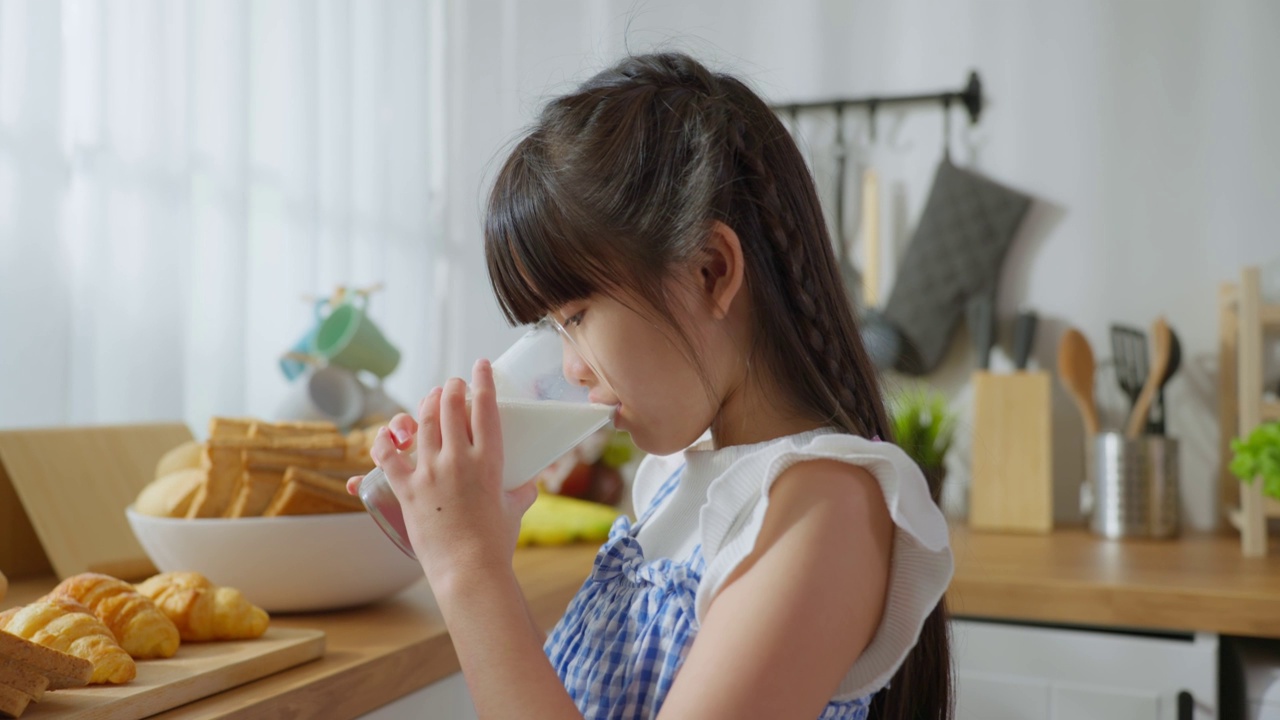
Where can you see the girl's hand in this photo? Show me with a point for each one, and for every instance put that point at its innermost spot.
(458, 516)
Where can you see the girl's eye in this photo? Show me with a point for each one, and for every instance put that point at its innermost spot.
(576, 318)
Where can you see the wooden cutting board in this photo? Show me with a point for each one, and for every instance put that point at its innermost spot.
(63, 492)
(198, 670)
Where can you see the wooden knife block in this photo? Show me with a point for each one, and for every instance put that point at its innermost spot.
(1012, 475)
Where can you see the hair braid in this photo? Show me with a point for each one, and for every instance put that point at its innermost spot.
(790, 248)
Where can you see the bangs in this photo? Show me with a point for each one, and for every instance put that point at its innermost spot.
(541, 254)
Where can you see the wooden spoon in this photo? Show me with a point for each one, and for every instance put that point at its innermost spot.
(1163, 346)
(1076, 368)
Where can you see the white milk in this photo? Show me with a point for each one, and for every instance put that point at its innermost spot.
(537, 432)
(534, 434)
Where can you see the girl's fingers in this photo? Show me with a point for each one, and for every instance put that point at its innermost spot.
(485, 427)
(429, 423)
(353, 485)
(394, 463)
(403, 428)
(455, 430)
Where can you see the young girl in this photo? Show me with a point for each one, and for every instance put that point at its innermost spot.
(790, 565)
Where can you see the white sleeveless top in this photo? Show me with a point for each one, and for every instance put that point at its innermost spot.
(719, 506)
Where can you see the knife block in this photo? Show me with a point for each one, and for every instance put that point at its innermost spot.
(1011, 486)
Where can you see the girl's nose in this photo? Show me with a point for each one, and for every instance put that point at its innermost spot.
(576, 369)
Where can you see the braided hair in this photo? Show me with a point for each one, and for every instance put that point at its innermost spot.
(619, 182)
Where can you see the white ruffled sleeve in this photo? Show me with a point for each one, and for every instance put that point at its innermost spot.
(921, 565)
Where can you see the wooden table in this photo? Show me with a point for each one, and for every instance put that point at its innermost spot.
(1200, 582)
(386, 651)
(375, 654)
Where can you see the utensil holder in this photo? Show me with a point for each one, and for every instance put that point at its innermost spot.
(1135, 486)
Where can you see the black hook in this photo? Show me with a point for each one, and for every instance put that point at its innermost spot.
(871, 120)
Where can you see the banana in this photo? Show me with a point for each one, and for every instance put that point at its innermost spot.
(559, 520)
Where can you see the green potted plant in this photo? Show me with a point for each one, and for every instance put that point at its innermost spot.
(924, 427)
(1258, 455)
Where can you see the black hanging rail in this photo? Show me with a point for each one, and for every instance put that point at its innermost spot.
(970, 97)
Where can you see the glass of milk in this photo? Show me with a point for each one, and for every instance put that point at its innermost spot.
(543, 415)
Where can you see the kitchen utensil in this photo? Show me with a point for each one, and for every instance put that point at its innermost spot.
(543, 415)
(200, 669)
(871, 238)
(1137, 486)
(1024, 335)
(957, 250)
(1076, 368)
(981, 321)
(881, 339)
(1011, 472)
(1129, 350)
(1155, 377)
(1156, 423)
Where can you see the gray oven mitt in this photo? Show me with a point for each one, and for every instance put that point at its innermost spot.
(959, 244)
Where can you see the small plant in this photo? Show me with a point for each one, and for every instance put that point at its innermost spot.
(924, 427)
(1259, 456)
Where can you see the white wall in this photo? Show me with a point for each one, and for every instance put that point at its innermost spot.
(1149, 131)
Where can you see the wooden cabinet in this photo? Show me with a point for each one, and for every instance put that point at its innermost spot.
(1029, 672)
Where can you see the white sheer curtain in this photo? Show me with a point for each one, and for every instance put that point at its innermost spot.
(175, 176)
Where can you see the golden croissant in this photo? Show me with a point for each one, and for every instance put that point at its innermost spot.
(202, 610)
(67, 626)
(143, 631)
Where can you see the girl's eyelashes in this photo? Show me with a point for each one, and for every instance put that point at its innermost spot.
(575, 319)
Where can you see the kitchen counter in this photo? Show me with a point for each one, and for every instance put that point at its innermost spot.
(1200, 582)
(385, 651)
(374, 654)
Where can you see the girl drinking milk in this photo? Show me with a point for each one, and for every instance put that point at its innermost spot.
(787, 561)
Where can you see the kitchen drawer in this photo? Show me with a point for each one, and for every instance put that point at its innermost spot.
(1008, 670)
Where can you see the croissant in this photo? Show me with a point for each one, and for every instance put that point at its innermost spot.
(202, 610)
(67, 626)
(143, 631)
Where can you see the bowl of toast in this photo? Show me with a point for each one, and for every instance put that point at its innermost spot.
(263, 507)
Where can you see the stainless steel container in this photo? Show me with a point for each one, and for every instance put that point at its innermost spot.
(1135, 486)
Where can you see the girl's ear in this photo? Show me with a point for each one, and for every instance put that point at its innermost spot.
(722, 268)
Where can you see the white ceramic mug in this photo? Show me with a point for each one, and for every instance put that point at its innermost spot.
(328, 393)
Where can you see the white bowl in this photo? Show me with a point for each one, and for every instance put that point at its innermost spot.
(283, 564)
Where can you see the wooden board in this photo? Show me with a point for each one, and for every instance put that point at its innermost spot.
(73, 485)
(198, 670)
(1012, 477)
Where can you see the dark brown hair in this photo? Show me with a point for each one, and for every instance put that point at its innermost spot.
(618, 183)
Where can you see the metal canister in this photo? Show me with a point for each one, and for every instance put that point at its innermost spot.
(1135, 486)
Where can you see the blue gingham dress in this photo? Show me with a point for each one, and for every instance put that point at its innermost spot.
(629, 629)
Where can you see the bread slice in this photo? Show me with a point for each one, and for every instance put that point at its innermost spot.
(63, 670)
(255, 492)
(339, 468)
(332, 446)
(293, 428)
(222, 427)
(23, 677)
(222, 468)
(310, 493)
(13, 702)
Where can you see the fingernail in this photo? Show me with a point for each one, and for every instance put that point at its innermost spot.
(395, 436)
(483, 364)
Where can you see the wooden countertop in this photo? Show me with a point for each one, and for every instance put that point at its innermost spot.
(385, 651)
(1200, 582)
(374, 654)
